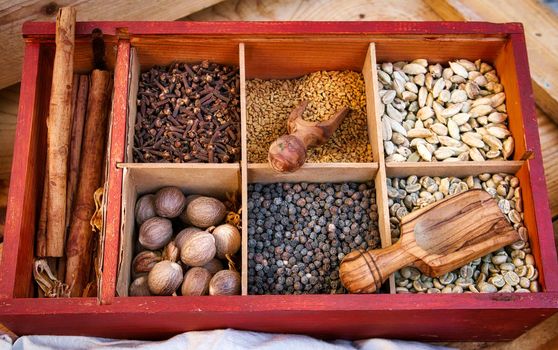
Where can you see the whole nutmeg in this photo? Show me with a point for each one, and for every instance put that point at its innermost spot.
(139, 287)
(204, 212)
(287, 154)
(198, 249)
(155, 233)
(214, 266)
(182, 235)
(183, 217)
(164, 278)
(145, 208)
(169, 202)
(171, 252)
(227, 240)
(196, 281)
(225, 282)
(144, 261)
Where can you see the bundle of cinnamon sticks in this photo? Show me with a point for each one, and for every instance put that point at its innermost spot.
(77, 129)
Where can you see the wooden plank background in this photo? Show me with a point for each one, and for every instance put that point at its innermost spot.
(541, 26)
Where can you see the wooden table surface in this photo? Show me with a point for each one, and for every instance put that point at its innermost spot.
(538, 20)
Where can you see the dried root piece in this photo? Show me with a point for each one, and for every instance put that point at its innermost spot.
(288, 152)
(96, 221)
(49, 284)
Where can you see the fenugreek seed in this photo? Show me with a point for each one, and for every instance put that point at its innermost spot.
(422, 61)
(414, 142)
(411, 87)
(384, 77)
(453, 129)
(389, 147)
(473, 139)
(481, 110)
(492, 154)
(438, 87)
(470, 66)
(414, 157)
(491, 76)
(396, 157)
(422, 133)
(424, 152)
(451, 110)
(449, 141)
(459, 69)
(497, 117)
(458, 96)
(413, 69)
(419, 79)
(499, 132)
(447, 73)
(425, 113)
(388, 97)
(443, 153)
(492, 141)
(498, 99)
(508, 147)
(386, 130)
(485, 67)
(388, 67)
(439, 129)
(482, 101)
(395, 126)
(475, 155)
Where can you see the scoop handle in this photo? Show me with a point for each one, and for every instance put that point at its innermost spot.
(365, 271)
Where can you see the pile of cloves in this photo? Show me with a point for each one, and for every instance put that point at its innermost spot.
(188, 113)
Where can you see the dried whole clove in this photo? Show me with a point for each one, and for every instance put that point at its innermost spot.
(188, 113)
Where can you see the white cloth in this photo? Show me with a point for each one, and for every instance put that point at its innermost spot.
(224, 339)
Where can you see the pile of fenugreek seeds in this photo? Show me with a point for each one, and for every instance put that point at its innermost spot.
(269, 103)
(431, 113)
(510, 269)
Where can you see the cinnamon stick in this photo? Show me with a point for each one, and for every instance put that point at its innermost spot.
(58, 123)
(41, 239)
(75, 142)
(79, 245)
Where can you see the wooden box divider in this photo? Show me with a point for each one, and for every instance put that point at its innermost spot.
(243, 169)
(270, 51)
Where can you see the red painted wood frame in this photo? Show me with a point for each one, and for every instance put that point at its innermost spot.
(427, 317)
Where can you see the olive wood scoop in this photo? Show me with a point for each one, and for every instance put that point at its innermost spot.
(436, 239)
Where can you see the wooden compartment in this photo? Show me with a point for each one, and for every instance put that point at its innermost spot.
(279, 50)
(32, 151)
(140, 179)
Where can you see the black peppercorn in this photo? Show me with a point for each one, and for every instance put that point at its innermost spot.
(298, 233)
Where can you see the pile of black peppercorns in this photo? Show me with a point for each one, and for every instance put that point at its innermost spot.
(299, 233)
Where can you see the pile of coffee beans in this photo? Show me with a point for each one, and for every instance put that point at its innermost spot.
(299, 233)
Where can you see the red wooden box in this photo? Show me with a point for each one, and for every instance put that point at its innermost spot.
(274, 50)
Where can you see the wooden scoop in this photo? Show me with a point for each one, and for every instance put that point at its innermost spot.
(436, 240)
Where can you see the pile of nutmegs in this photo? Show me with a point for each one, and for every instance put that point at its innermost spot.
(190, 262)
(188, 113)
